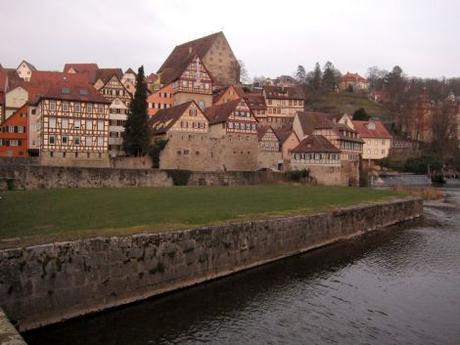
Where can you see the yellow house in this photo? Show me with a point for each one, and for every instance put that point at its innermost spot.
(377, 140)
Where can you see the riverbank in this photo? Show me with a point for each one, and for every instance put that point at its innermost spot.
(53, 282)
(43, 216)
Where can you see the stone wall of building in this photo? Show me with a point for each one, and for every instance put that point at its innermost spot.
(49, 283)
(327, 175)
(269, 159)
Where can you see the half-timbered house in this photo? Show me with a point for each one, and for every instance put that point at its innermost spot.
(216, 54)
(282, 104)
(13, 134)
(189, 79)
(186, 128)
(73, 124)
(270, 155)
(233, 127)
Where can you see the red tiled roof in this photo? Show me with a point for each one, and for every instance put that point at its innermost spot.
(198, 47)
(129, 70)
(3, 81)
(354, 77)
(71, 91)
(152, 77)
(255, 101)
(220, 113)
(283, 92)
(105, 74)
(86, 68)
(52, 77)
(380, 132)
(283, 133)
(315, 144)
(310, 121)
(164, 119)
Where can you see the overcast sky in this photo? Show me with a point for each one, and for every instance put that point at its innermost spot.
(271, 37)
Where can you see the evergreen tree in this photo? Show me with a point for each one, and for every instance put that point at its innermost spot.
(317, 77)
(136, 141)
(301, 74)
(329, 81)
(361, 115)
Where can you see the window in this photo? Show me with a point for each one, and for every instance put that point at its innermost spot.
(65, 106)
(100, 108)
(51, 140)
(100, 141)
(76, 141)
(65, 123)
(89, 124)
(52, 123)
(77, 107)
(89, 108)
(89, 141)
(52, 105)
(100, 125)
(64, 140)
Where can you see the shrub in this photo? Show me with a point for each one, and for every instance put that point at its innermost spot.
(179, 177)
(155, 151)
(297, 175)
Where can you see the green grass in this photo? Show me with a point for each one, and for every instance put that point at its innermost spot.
(345, 102)
(62, 214)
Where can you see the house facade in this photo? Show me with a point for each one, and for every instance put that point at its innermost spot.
(186, 128)
(270, 155)
(189, 80)
(320, 157)
(73, 125)
(25, 70)
(15, 99)
(233, 133)
(13, 134)
(353, 82)
(160, 99)
(118, 113)
(377, 140)
(282, 104)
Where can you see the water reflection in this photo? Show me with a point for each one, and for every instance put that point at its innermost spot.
(394, 287)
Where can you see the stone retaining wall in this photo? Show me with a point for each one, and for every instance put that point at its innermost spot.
(49, 283)
(8, 334)
(30, 177)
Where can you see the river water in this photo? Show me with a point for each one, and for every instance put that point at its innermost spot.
(398, 286)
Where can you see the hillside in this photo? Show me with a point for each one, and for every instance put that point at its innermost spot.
(347, 103)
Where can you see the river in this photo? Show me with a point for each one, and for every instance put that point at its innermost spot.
(398, 286)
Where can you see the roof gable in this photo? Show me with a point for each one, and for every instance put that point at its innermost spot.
(315, 144)
(28, 65)
(89, 69)
(221, 112)
(164, 119)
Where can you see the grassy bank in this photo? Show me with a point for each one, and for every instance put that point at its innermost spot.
(61, 214)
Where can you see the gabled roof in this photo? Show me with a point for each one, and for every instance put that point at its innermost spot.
(129, 70)
(164, 119)
(283, 92)
(197, 47)
(220, 113)
(70, 91)
(255, 101)
(366, 131)
(309, 121)
(284, 133)
(52, 77)
(353, 77)
(152, 77)
(315, 144)
(31, 67)
(13, 118)
(86, 68)
(219, 93)
(262, 130)
(105, 74)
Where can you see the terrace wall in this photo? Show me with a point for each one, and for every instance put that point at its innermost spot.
(49, 283)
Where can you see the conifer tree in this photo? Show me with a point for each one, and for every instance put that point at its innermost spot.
(136, 140)
(317, 77)
(301, 74)
(329, 77)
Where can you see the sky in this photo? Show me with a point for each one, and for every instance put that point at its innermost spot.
(271, 37)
